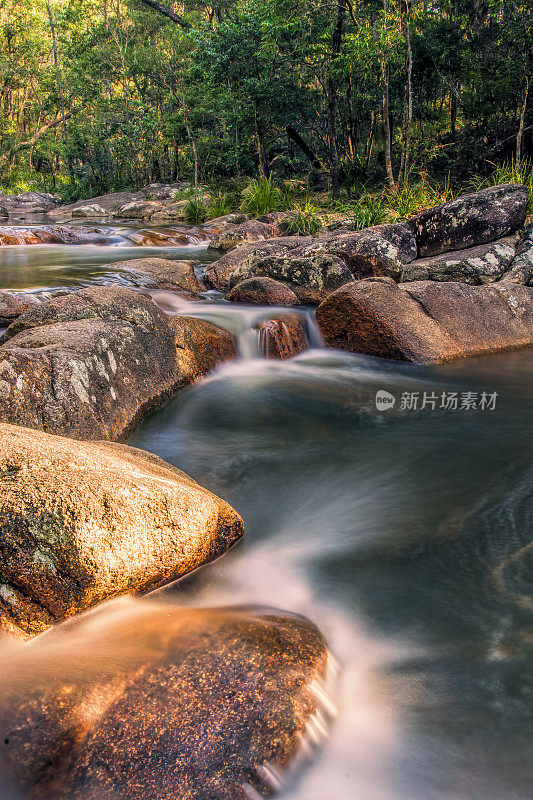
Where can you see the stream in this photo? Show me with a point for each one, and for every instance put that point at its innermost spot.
(405, 535)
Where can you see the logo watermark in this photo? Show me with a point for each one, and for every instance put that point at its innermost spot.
(445, 401)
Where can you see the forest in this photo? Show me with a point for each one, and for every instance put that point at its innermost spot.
(342, 95)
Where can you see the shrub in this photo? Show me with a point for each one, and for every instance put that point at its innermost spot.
(261, 196)
(195, 211)
(509, 172)
(411, 198)
(306, 221)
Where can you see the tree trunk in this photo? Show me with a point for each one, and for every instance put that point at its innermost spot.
(331, 102)
(167, 12)
(191, 139)
(387, 134)
(264, 168)
(520, 137)
(293, 134)
(7, 157)
(59, 86)
(408, 100)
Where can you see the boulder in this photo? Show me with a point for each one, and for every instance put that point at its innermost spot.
(283, 337)
(311, 276)
(12, 306)
(426, 321)
(81, 522)
(138, 209)
(226, 223)
(218, 274)
(477, 265)
(378, 251)
(146, 700)
(521, 269)
(49, 234)
(160, 273)
(471, 220)
(93, 363)
(90, 210)
(246, 232)
(264, 292)
(28, 203)
(150, 237)
(177, 210)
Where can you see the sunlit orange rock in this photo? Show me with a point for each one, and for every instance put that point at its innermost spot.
(81, 522)
(149, 701)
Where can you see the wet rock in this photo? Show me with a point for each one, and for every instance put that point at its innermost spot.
(283, 337)
(312, 276)
(92, 364)
(139, 209)
(426, 321)
(378, 251)
(158, 702)
(246, 232)
(161, 273)
(471, 220)
(227, 222)
(82, 522)
(45, 234)
(477, 265)
(521, 270)
(12, 306)
(263, 291)
(149, 237)
(89, 211)
(28, 203)
(218, 274)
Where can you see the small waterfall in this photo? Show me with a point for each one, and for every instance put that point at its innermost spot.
(258, 331)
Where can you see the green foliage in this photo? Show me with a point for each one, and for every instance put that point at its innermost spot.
(148, 101)
(223, 202)
(411, 198)
(306, 221)
(509, 172)
(261, 196)
(195, 211)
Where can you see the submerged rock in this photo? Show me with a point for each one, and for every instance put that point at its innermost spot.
(426, 321)
(471, 220)
(476, 265)
(263, 291)
(81, 522)
(283, 337)
(94, 363)
(144, 700)
(161, 273)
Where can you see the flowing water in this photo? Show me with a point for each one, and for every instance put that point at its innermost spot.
(404, 534)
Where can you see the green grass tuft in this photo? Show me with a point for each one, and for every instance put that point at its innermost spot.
(262, 196)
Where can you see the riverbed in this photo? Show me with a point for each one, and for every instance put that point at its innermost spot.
(404, 534)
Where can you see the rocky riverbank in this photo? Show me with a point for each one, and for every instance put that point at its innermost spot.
(84, 520)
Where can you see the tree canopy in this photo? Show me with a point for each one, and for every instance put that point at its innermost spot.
(97, 95)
